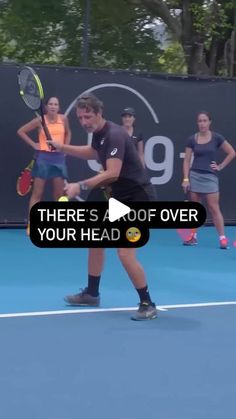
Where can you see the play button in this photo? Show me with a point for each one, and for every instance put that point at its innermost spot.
(116, 209)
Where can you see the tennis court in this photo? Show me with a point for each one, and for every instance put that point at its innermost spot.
(58, 362)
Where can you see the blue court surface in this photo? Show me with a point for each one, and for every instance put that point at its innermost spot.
(59, 362)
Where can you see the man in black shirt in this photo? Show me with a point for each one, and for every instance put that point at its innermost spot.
(128, 180)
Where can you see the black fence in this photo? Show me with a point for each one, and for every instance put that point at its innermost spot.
(166, 108)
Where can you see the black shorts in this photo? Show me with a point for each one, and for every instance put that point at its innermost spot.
(138, 194)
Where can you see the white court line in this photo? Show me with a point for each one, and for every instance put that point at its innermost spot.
(214, 304)
(107, 310)
(75, 311)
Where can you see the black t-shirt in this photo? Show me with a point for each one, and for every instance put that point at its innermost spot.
(205, 154)
(112, 141)
(136, 137)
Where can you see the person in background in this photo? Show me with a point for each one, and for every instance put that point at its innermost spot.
(201, 178)
(49, 164)
(128, 122)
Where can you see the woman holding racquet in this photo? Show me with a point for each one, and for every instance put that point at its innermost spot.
(50, 164)
(201, 178)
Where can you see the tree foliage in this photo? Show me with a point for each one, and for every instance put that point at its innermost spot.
(48, 31)
(204, 28)
(121, 34)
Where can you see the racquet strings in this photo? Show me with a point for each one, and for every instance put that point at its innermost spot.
(30, 88)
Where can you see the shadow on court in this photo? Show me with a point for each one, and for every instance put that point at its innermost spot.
(101, 365)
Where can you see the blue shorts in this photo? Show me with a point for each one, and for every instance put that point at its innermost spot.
(49, 165)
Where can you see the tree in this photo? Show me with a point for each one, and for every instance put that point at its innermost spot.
(122, 37)
(48, 31)
(172, 59)
(121, 34)
(32, 30)
(202, 27)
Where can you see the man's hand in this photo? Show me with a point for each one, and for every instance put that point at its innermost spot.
(54, 145)
(72, 189)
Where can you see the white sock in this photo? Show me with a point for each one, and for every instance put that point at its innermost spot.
(222, 237)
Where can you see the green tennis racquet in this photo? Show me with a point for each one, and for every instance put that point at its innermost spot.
(31, 91)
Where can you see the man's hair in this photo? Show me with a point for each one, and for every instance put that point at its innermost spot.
(90, 103)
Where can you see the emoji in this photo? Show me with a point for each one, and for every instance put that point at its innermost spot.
(133, 234)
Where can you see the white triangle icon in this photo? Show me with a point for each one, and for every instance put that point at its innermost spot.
(116, 209)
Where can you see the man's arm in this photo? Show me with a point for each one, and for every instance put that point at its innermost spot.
(114, 160)
(108, 176)
(85, 152)
(67, 131)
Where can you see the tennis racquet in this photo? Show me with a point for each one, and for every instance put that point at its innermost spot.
(25, 180)
(96, 194)
(31, 91)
